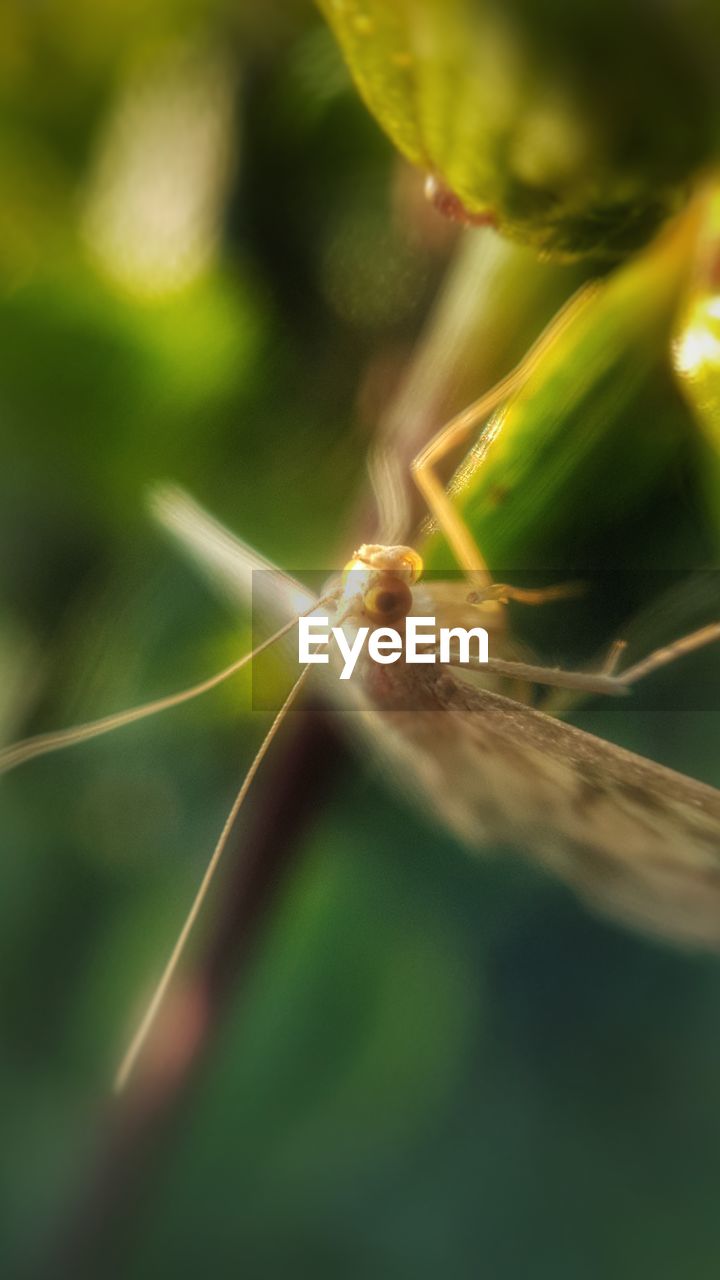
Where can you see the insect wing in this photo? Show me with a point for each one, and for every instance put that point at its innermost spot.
(244, 576)
(638, 840)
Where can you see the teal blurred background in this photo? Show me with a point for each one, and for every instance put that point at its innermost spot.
(213, 269)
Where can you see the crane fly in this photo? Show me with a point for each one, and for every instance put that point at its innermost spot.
(637, 840)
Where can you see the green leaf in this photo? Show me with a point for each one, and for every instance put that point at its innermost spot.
(576, 127)
(593, 427)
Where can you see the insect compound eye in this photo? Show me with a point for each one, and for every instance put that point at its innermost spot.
(388, 599)
(413, 564)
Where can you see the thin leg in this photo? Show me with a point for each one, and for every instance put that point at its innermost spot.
(603, 681)
(458, 430)
(504, 592)
(581, 681)
(613, 656)
(669, 653)
(560, 702)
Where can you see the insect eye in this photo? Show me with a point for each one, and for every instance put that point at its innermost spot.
(388, 599)
(413, 563)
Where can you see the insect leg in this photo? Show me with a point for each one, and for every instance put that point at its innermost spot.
(556, 677)
(504, 592)
(458, 431)
(560, 705)
(669, 653)
(613, 656)
(602, 681)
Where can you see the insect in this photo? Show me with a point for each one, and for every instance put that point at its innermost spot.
(638, 840)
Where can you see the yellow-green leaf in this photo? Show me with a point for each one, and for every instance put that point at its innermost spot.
(593, 425)
(578, 127)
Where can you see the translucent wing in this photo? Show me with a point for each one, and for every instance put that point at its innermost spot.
(638, 840)
(244, 576)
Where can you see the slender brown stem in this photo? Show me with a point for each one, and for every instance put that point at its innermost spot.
(108, 1204)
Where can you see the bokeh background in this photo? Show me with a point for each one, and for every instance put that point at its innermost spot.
(214, 269)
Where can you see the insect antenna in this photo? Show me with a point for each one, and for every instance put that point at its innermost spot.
(42, 744)
(153, 1008)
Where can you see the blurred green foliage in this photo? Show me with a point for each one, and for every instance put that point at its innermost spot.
(438, 1067)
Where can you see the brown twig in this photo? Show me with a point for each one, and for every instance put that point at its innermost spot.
(134, 1129)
